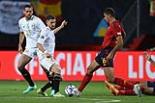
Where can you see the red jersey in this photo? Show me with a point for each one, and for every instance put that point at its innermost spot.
(114, 30)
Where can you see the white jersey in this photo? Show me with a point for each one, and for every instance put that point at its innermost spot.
(153, 58)
(31, 29)
(47, 39)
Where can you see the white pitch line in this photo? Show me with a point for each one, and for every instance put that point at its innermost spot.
(110, 101)
(102, 100)
(96, 100)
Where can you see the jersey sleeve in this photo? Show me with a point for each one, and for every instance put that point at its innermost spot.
(20, 26)
(43, 37)
(153, 58)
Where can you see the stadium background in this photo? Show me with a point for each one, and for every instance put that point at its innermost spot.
(84, 17)
(77, 45)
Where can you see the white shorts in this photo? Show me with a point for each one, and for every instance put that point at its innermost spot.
(31, 52)
(46, 62)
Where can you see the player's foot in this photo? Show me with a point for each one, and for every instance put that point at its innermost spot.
(112, 88)
(29, 89)
(77, 92)
(58, 94)
(137, 90)
(39, 91)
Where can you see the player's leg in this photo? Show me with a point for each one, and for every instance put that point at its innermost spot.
(56, 73)
(125, 87)
(148, 87)
(125, 92)
(98, 62)
(54, 76)
(145, 87)
(43, 89)
(23, 60)
(118, 90)
(139, 88)
(88, 76)
(109, 73)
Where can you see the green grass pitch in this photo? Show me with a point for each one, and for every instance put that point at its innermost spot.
(95, 92)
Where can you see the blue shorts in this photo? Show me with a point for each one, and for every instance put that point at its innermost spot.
(103, 54)
(151, 84)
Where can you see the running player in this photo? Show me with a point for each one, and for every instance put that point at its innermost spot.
(30, 28)
(113, 41)
(46, 46)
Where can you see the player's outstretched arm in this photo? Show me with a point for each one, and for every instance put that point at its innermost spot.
(21, 40)
(63, 24)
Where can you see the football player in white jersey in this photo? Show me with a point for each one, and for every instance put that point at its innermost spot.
(46, 47)
(49, 84)
(30, 27)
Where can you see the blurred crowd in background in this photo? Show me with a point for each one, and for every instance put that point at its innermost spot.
(86, 27)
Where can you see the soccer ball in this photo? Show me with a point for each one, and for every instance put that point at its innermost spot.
(70, 89)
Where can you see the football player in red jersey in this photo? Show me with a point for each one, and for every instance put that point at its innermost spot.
(135, 88)
(113, 42)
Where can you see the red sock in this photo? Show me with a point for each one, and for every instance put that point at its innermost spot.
(119, 81)
(128, 85)
(126, 92)
(85, 81)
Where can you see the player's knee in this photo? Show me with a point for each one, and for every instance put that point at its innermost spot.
(46, 71)
(91, 70)
(56, 69)
(20, 67)
(57, 77)
(50, 76)
(111, 80)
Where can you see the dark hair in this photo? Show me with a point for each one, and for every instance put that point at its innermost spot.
(110, 11)
(27, 6)
(50, 17)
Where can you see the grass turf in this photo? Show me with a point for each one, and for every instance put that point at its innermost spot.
(96, 92)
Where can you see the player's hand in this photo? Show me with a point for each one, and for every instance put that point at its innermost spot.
(20, 49)
(63, 24)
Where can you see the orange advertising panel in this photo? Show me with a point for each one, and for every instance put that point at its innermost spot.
(134, 66)
(73, 66)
